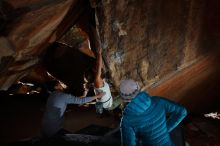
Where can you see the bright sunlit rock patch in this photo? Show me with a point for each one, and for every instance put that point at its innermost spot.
(214, 115)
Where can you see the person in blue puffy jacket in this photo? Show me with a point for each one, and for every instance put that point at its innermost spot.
(147, 120)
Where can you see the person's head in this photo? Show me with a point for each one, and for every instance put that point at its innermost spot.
(128, 89)
(55, 85)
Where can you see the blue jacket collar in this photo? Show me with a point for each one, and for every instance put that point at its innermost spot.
(139, 104)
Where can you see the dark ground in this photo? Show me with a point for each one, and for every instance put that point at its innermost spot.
(21, 118)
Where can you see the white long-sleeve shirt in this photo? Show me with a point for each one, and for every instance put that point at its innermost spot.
(107, 98)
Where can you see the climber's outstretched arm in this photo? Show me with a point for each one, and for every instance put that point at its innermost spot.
(98, 72)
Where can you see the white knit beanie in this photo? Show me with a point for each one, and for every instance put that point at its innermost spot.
(128, 89)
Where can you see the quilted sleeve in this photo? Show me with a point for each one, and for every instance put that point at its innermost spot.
(177, 113)
(128, 137)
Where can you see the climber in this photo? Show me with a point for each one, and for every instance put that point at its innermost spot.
(101, 85)
(57, 102)
(94, 77)
(144, 120)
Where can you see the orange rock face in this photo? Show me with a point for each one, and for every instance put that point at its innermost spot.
(151, 41)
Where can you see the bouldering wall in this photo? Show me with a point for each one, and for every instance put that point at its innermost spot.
(25, 35)
(28, 28)
(154, 42)
(170, 47)
(147, 39)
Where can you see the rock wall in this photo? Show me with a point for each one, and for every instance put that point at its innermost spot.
(28, 28)
(170, 47)
(150, 41)
(147, 40)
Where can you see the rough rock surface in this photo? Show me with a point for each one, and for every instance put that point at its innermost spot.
(28, 35)
(168, 46)
(147, 40)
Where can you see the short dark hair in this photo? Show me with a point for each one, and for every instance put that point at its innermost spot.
(51, 84)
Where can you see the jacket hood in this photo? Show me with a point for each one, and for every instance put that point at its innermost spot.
(139, 104)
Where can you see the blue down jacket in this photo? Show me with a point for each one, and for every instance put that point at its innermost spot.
(144, 121)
